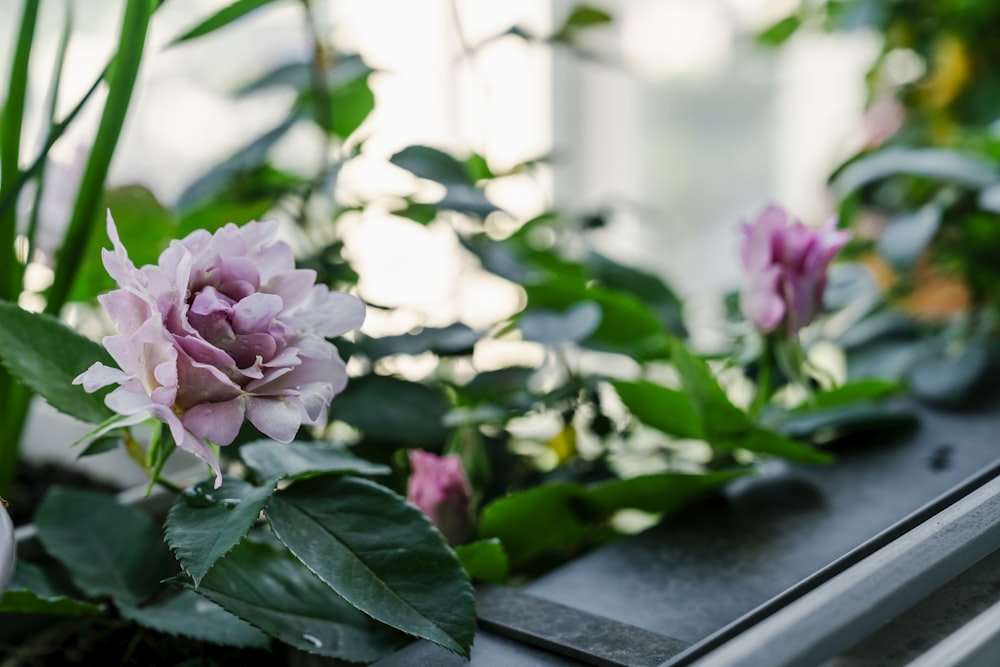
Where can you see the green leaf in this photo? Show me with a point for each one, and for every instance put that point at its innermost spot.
(188, 614)
(45, 354)
(587, 15)
(935, 163)
(649, 288)
(718, 415)
(221, 18)
(478, 168)
(264, 585)
(778, 33)
(246, 160)
(839, 420)
(393, 410)
(350, 105)
(206, 523)
(379, 553)
(432, 164)
(423, 214)
(664, 409)
(907, 236)
(764, 441)
(466, 199)
(305, 459)
(856, 390)
(539, 520)
(662, 492)
(454, 339)
(627, 325)
(551, 327)
(31, 592)
(581, 16)
(484, 560)
(108, 549)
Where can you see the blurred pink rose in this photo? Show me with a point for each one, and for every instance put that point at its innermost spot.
(222, 328)
(786, 265)
(438, 486)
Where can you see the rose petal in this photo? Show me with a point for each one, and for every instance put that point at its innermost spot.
(217, 422)
(277, 418)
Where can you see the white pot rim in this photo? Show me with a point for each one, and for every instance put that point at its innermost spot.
(8, 549)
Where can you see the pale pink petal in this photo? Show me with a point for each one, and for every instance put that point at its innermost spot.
(216, 422)
(99, 375)
(277, 418)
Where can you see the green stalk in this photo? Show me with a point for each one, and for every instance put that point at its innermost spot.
(765, 378)
(121, 81)
(9, 199)
(13, 402)
(10, 149)
(53, 102)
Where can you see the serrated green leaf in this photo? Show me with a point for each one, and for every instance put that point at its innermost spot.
(662, 492)
(206, 523)
(304, 459)
(264, 585)
(31, 592)
(379, 553)
(46, 355)
(221, 18)
(662, 408)
(432, 164)
(484, 560)
(108, 549)
(188, 614)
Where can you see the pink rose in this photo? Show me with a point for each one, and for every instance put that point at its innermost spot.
(439, 487)
(222, 328)
(786, 264)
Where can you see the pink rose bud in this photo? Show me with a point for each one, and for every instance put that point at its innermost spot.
(786, 265)
(223, 328)
(440, 488)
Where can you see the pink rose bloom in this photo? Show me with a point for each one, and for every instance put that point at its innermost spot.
(222, 328)
(439, 487)
(786, 264)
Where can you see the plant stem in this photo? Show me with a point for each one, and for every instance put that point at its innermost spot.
(53, 102)
(10, 150)
(13, 396)
(765, 378)
(121, 81)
